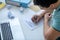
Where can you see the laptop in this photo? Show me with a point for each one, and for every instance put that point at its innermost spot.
(11, 30)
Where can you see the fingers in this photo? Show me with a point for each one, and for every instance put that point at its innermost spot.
(38, 20)
(50, 16)
(35, 19)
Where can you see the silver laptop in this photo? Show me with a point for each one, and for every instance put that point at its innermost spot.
(5, 31)
(11, 30)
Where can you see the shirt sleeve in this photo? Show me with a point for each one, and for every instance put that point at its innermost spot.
(56, 21)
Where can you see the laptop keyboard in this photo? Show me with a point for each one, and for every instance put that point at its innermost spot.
(6, 31)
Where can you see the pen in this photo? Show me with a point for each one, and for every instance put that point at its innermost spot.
(35, 17)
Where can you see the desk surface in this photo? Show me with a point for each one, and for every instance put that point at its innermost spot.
(36, 34)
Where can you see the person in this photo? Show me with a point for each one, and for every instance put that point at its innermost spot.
(52, 12)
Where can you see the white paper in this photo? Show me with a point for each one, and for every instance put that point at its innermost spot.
(30, 24)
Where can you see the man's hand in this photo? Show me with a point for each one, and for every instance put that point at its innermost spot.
(47, 16)
(36, 18)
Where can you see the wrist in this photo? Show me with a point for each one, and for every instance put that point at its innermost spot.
(45, 20)
(42, 14)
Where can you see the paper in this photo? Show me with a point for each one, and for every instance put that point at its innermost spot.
(26, 19)
(30, 24)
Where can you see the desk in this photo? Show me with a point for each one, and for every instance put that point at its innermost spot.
(36, 34)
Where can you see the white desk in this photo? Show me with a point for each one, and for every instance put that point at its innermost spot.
(36, 34)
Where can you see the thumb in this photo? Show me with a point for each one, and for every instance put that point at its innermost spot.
(49, 14)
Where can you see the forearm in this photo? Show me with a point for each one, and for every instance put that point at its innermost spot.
(49, 32)
(46, 25)
(41, 15)
(46, 30)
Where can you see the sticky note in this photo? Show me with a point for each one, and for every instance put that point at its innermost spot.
(35, 8)
(2, 5)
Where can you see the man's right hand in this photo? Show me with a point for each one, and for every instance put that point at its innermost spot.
(47, 16)
(36, 18)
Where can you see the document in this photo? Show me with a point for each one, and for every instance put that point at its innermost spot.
(30, 24)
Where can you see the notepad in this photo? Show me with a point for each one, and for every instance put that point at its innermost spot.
(30, 24)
